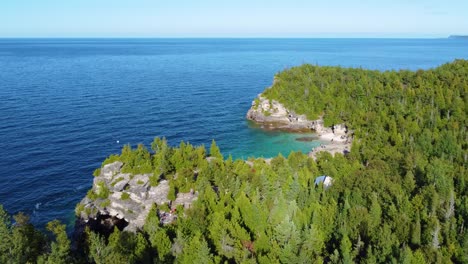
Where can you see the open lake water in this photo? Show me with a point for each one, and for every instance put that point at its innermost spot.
(66, 104)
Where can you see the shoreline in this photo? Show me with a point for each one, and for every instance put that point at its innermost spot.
(332, 143)
(272, 115)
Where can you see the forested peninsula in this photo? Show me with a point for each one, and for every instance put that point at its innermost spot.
(399, 195)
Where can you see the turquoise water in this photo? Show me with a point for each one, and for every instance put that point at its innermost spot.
(269, 143)
(64, 103)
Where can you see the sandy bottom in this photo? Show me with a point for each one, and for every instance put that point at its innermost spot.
(332, 143)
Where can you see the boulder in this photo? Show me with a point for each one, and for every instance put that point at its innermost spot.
(109, 170)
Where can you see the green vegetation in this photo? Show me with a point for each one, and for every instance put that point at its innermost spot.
(97, 172)
(91, 195)
(256, 103)
(400, 196)
(105, 203)
(266, 112)
(79, 208)
(117, 181)
(21, 243)
(360, 97)
(102, 192)
(125, 196)
(111, 159)
(154, 180)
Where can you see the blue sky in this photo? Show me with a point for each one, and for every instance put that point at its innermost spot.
(235, 18)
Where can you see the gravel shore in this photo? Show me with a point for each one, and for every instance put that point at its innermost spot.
(332, 143)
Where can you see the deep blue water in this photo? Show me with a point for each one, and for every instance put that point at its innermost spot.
(64, 103)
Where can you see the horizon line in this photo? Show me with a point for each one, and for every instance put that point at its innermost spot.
(228, 37)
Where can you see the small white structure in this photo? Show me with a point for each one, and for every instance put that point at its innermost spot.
(326, 180)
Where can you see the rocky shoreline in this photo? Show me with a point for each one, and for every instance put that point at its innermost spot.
(272, 115)
(125, 200)
(337, 142)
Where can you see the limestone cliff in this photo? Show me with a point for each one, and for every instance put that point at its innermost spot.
(271, 114)
(124, 200)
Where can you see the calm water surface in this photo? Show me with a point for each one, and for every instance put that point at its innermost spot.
(64, 103)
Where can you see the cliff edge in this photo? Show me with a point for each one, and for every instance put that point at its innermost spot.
(124, 200)
(272, 115)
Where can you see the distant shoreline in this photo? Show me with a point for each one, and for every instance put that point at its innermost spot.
(458, 37)
(228, 38)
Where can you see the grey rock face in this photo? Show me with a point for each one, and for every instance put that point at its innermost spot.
(109, 170)
(271, 114)
(130, 197)
(185, 199)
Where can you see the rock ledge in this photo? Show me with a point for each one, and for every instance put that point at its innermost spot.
(125, 200)
(272, 115)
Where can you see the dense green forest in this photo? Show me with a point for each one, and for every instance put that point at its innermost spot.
(400, 196)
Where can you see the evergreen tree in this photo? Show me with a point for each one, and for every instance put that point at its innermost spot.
(60, 248)
(214, 150)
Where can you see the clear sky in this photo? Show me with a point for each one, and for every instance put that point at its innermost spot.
(235, 18)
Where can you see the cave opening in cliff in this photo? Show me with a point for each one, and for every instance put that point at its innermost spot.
(105, 224)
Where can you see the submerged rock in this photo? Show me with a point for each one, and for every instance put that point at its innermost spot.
(306, 139)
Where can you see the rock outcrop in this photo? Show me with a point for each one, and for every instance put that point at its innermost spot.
(271, 114)
(124, 199)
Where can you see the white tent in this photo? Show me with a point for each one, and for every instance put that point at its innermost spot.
(326, 180)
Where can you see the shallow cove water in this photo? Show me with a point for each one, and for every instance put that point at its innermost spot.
(65, 103)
